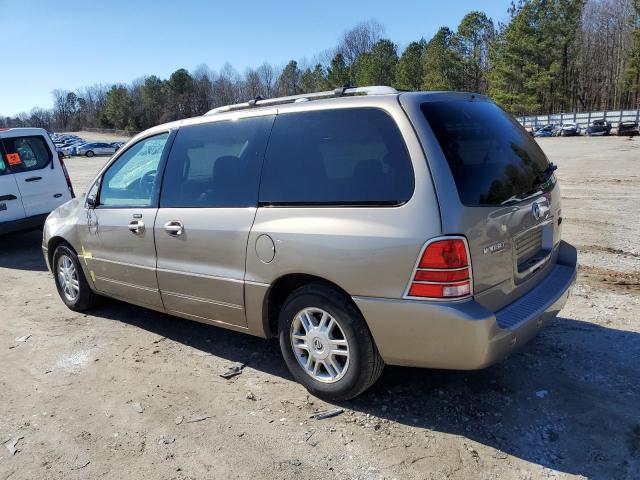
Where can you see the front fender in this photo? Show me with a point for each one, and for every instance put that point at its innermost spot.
(61, 225)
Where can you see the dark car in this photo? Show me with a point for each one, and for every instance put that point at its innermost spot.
(546, 131)
(569, 130)
(628, 129)
(599, 127)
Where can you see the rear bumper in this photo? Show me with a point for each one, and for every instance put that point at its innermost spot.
(465, 335)
(23, 224)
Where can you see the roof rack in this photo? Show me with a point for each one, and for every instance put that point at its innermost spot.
(338, 92)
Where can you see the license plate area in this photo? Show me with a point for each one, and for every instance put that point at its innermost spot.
(532, 250)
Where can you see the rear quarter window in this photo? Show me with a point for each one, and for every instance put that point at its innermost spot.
(351, 156)
(26, 153)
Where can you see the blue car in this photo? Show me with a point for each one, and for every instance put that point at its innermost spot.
(546, 131)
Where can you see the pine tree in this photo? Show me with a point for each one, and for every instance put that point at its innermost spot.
(409, 69)
(378, 66)
(473, 40)
(338, 73)
(442, 63)
(531, 61)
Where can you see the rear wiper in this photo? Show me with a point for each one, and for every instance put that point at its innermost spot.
(540, 180)
(544, 176)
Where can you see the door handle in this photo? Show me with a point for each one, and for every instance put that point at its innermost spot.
(33, 179)
(136, 226)
(7, 197)
(174, 227)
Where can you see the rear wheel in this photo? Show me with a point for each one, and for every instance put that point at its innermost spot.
(326, 344)
(70, 280)
(89, 153)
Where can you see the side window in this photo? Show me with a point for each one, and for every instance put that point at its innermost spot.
(27, 153)
(131, 180)
(3, 166)
(336, 157)
(216, 164)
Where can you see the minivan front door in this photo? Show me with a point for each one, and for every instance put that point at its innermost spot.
(207, 207)
(118, 243)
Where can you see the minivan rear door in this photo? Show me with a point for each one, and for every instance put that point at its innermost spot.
(496, 187)
(38, 173)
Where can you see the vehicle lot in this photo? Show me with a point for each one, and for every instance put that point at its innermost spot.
(566, 406)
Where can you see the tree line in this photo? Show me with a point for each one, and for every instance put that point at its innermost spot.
(550, 56)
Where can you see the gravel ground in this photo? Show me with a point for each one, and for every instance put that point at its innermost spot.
(123, 392)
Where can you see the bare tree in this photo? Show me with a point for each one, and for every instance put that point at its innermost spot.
(360, 39)
(268, 76)
(604, 43)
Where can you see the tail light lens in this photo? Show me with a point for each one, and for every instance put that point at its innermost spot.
(443, 271)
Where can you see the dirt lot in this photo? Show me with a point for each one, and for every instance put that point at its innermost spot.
(567, 406)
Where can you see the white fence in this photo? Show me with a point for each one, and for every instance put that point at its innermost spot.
(583, 119)
(124, 133)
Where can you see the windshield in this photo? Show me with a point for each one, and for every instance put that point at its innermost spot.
(492, 158)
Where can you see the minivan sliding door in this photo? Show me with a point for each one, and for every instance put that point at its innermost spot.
(207, 207)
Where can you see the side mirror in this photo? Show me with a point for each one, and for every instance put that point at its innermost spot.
(91, 202)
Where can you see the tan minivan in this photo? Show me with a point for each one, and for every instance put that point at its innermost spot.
(362, 226)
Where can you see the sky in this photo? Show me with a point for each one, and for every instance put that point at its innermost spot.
(69, 44)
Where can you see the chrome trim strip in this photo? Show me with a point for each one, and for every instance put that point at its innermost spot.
(203, 300)
(441, 269)
(258, 284)
(200, 275)
(124, 284)
(231, 326)
(125, 264)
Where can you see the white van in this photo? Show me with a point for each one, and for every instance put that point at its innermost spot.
(33, 180)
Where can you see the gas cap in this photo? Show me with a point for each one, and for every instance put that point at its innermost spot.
(265, 248)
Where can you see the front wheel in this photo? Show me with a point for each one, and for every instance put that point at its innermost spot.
(70, 280)
(89, 153)
(326, 344)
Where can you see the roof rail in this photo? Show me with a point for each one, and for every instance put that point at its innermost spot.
(338, 92)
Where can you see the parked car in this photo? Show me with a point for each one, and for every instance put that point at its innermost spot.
(91, 149)
(546, 131)
(72, 149)
(33, 180)
(363, 227)
(117, 145)
(629, 128)
(599, 127)
(569, 130)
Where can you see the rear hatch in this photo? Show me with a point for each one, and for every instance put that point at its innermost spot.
(508, 202)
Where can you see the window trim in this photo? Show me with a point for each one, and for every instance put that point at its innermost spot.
(339, 204)
(259, 166)
(3, 152)
(155, 200)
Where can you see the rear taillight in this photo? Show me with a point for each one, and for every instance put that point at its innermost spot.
(443, 270)
(67, 178)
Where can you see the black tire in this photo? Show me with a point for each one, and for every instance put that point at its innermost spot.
(365, 364)
(89, 153)
(85, 298)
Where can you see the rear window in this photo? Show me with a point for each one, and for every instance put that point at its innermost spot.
(26, 153)
(336, 157)
(492, 159)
